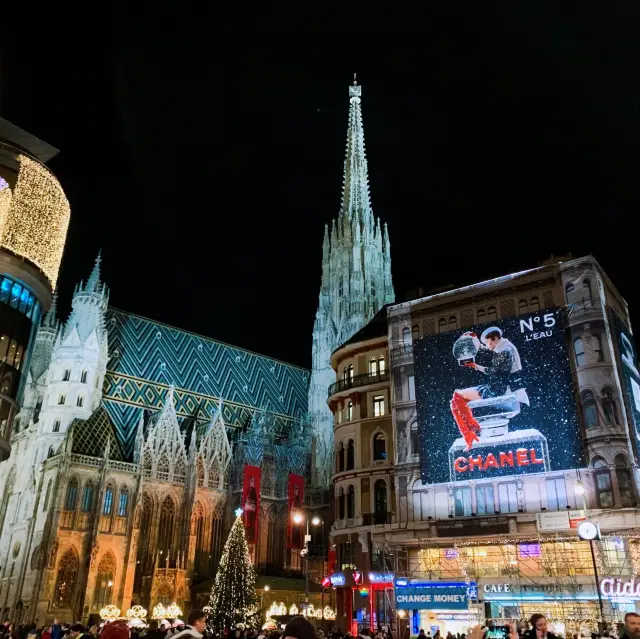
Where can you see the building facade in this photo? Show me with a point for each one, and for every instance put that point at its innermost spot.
(356, 281)
(34, 217)
(508, 539)
(126, 432)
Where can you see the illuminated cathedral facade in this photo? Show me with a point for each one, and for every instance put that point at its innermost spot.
(127, 444)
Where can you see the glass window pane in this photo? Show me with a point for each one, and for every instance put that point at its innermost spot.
(412, 388)
(16, 290)
(5, 290)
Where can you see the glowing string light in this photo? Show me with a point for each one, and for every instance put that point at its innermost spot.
(110, 613)
(36, 225)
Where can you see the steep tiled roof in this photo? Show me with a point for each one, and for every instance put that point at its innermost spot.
(90, 436)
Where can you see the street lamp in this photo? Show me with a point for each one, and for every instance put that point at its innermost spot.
(579, 488)
(266, 588)
(298, 518)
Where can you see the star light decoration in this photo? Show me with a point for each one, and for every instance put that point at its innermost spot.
(36, 225)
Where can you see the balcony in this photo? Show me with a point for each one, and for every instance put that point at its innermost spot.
(357, 381)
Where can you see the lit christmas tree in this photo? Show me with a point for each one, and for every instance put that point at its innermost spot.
(233, 602)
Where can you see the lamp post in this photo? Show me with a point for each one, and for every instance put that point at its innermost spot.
(266, 588)
(298, 518)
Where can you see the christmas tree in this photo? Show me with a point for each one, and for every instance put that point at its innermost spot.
(233, 603)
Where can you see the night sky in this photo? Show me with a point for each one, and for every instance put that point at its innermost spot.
(203, 151)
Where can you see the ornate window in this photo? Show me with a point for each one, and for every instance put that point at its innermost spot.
(609, 408)
(406, 336)
(597, 348)
(349, 410)
(351, 455)
(351, 502)
(604, 489)
(67, 375)
(379, 447)
(442, 324)
(578, 347)
(590, 409)
(123, 502)
(492, 314)
(341, 457)
(103, 593)
(107, 506)
(145, 558)
(87, 497)
(341, 510)
(415, 332)
(83, 377)
(625, 482)
(523, 306)
(66, 579)
(415, 439)
(166, 526)
(202, 552)
(378, 405)
(453, 322)
(72, 495)
(380, 501)
(162, 470)
(481, 315)
(534, 303)
(47, 496)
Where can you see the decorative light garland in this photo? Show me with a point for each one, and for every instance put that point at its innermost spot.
(38, 218)
(173, 611)
(137, 612)
(110, 613)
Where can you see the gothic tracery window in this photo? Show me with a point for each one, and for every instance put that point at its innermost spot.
(103, 593)
(66, 579)
(167, 525)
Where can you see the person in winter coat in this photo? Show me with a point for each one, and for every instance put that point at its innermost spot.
(631, 626)
(539, 628)
(196, 623)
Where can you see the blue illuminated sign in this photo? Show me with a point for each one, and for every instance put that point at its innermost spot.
(381, 577)
(338, 579)
(416, 595)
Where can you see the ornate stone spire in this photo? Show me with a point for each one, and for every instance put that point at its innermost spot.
(356, 205)
(356, 281)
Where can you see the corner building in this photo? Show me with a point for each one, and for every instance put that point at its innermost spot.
(553, 442)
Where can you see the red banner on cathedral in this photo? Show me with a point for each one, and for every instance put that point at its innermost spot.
(251, 502)
(297, 529)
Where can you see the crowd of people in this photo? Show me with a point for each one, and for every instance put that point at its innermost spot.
(297, 628)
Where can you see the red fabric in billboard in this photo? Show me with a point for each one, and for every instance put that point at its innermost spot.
(251, 501)
(295, 538)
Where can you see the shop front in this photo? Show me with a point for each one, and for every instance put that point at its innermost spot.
(569, 607)
(432, 606)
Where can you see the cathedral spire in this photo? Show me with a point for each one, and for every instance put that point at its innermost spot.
(93, 283)
(51, 318)
(356, 204)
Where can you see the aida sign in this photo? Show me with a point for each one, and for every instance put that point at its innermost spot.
(613, 588)
(496, 399)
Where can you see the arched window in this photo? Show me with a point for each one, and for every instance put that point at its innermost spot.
(341, 511)
(597, 348)
(62, 399)
(47, 496)
(481, 315)
(589, 408)
(83, 377)
(492, 314)
(380, 501)
(67, 375)
(50, 452)
(351, 502)
(578, 348)
(80, 401)
(351, 455)
(201, 550)
(406, 336)
(166, 526)
(523, 306)
(625, 482)
(379, 447)
(66, 579)
(586, 289)
(107, 505)
(415, 332)
(373, 366)
(609, 408)
(604, 490)
(569, 290)
(123, 502)
(349, 410)
(145, 556)
(381, 364)
(415, 439)
(87, 497)
(453, 322)
(534, 303)
(103, 593)
(72, 495)
(442, 324)
(341, 457)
